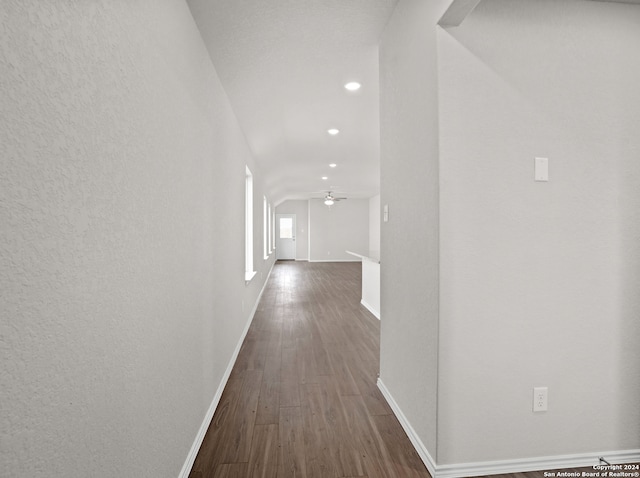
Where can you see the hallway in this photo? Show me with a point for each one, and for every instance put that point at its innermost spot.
(302, 399)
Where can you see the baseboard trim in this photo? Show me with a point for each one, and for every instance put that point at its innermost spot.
(421, 449)
(484, 468)
(553, 463)
(197, 443)
(370, 309)
(333, 260)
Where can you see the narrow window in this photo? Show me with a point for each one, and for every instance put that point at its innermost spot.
(265, 228)
(248, 227)
(270, 234)
(273, 230)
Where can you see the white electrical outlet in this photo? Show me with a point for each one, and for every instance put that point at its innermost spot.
(540, 399)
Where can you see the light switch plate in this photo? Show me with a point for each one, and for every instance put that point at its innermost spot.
(542, 169)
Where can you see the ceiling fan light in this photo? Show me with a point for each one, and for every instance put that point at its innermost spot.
(328, 202)
(352, 86)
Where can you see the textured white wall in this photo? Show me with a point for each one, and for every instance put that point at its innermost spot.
(339, 228)
(301, 209)
(409, 185)
(540, 281)
(374, 223)
(121, 254)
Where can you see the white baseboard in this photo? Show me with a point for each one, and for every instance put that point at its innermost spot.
(424, 454)
(460, 470)
(197, 443)
(334, 260)
(552, 463)
(375, 312)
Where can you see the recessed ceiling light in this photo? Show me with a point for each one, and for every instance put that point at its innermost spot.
(332, 165)
(333, 131)
(324, 178)
(353, 86)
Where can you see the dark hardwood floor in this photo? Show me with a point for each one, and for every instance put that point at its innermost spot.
(302, 399)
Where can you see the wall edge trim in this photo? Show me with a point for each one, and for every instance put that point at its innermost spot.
(202, 431)
(333, 260)
(554, 463)
(421, 449)
(460, 470)
(375, 312)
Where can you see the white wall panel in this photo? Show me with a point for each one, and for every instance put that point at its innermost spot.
(337, 229)
(121, 253)
(537, 277)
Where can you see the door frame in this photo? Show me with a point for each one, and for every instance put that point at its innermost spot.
(277, 231)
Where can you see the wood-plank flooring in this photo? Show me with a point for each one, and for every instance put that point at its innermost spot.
(302, 399)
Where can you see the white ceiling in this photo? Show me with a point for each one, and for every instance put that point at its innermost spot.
(283, 64)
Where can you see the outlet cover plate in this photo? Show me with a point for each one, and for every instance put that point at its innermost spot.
(540, 399)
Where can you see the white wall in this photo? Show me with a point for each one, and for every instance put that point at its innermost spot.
(121, 254)
(535, 281)
(339, 228)
(374, 223)
(301, 209)
(539, 283)
(409, 241)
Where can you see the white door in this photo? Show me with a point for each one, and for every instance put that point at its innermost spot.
(285, 236)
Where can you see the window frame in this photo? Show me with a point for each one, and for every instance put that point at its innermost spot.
(249, 272)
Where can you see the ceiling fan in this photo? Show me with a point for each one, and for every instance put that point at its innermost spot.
(330, 199)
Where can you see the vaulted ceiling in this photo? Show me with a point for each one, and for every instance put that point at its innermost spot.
(284, 64)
